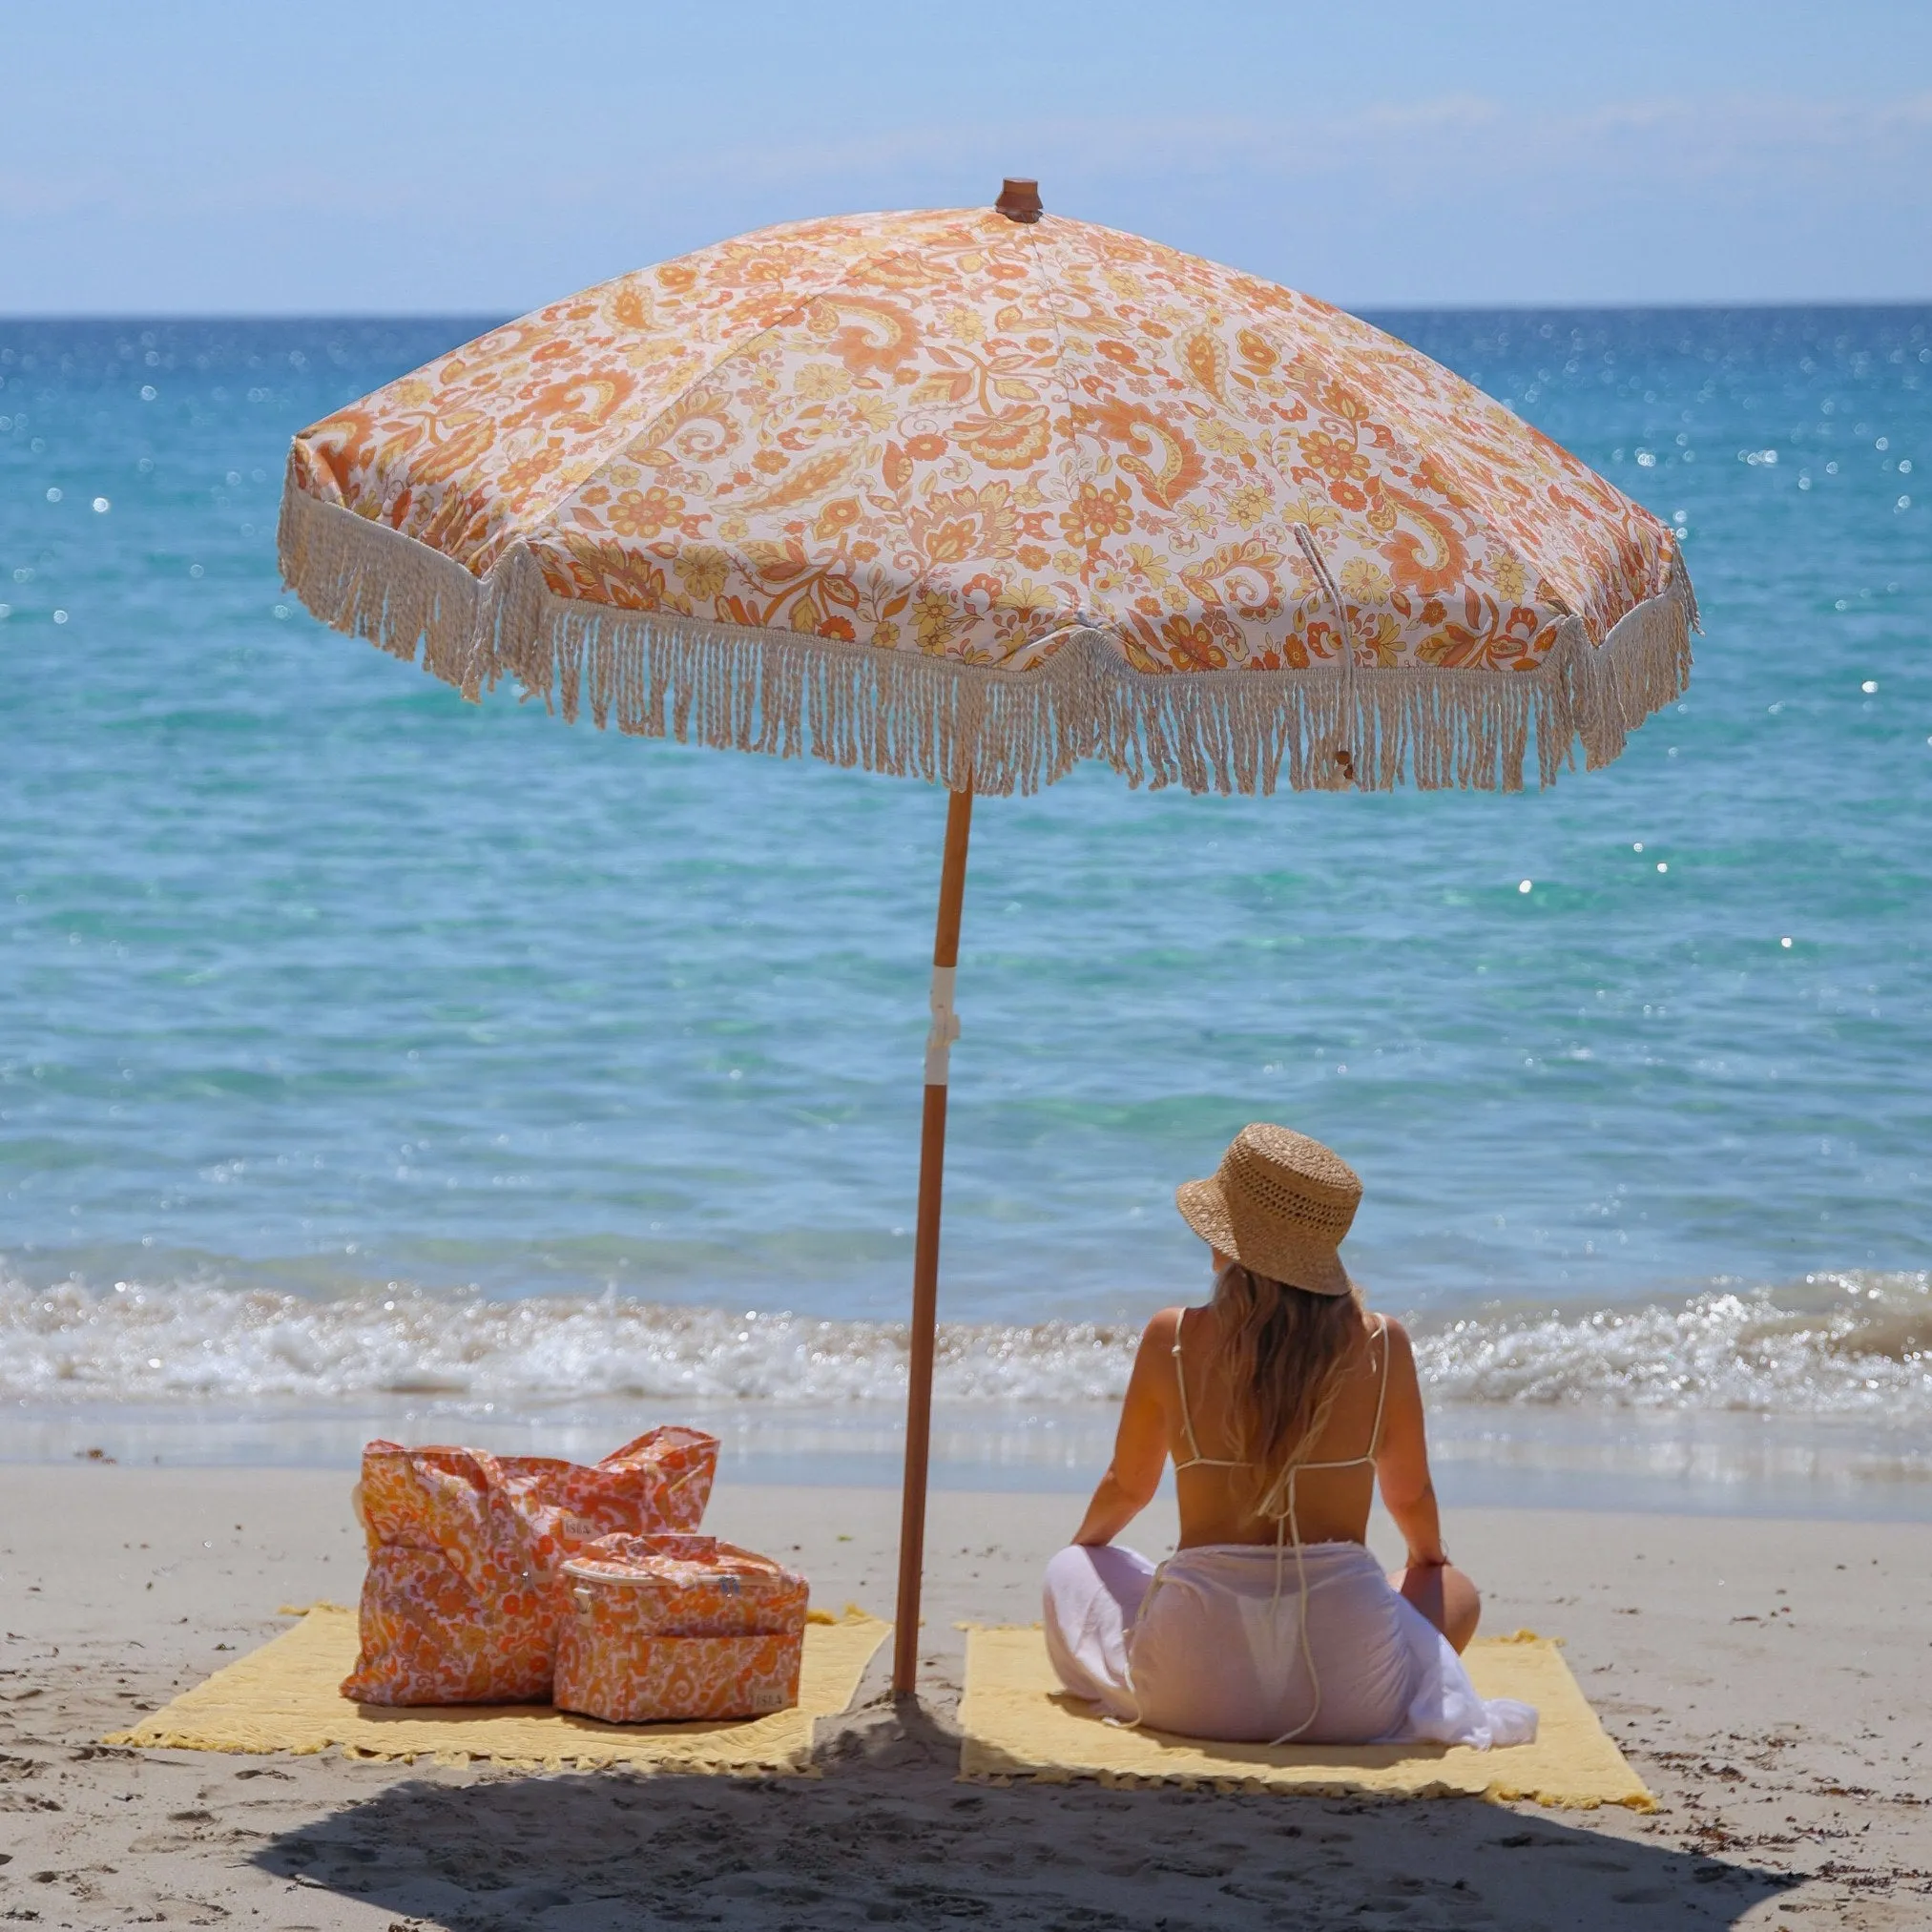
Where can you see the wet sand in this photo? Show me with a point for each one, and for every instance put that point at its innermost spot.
(1771, 1681)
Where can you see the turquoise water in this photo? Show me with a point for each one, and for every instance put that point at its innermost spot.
(320, 990)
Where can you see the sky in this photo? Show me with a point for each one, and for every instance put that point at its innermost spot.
(480, 158)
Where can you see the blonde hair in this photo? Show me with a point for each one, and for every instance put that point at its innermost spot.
(1282, 1351)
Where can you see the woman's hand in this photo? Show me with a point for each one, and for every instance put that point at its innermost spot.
(1444, 1595)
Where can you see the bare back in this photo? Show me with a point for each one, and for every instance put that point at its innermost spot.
(1335, 1484)
(1177, 1408)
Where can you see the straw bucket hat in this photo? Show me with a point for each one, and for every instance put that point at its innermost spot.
(1278, 1204)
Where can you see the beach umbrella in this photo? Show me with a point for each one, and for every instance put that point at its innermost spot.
(969, 496)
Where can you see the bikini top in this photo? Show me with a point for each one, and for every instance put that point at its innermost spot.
(1196, 1460)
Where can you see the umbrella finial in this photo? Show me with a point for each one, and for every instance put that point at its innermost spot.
(1019, 200)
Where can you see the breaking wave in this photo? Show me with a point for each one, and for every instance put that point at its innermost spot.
(1837, 1344)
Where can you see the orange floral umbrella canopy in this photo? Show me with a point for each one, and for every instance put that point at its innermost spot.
(975, 498)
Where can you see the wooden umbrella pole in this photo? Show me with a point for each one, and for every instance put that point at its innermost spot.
(959, 815)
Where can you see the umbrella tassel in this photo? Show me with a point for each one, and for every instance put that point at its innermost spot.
(361, 577)
(657, 676)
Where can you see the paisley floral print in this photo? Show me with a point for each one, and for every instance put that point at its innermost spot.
(954, 434)
(671, 1628)
(948, 439)
(460, 1601)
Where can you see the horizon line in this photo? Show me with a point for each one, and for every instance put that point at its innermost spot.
(1680, 305)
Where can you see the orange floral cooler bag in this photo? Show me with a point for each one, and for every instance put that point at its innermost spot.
(462, 1598)
(662, 1630)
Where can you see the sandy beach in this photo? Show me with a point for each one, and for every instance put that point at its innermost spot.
(1768, 1680)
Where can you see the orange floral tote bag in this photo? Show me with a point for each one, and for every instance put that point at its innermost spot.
(461, 1602)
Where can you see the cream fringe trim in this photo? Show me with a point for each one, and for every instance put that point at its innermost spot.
(371, 581)
(970, 726)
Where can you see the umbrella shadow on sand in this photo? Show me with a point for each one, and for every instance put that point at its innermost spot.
(887, 1835)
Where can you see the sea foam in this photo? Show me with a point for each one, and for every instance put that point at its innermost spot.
(1854, 1344)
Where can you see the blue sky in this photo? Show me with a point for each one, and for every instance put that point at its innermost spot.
(205, 157)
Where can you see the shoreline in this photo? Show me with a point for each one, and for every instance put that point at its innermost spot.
(1768, 1680)
(1488, 1456)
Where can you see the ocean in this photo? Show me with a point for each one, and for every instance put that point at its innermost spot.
(375, 1063)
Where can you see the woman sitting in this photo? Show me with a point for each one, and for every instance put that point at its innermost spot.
(1281, 1402)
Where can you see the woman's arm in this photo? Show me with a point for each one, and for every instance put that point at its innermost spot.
(1402, 1464)
(1140, 1447)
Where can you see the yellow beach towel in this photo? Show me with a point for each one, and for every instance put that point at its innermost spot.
(1019, 1723)
(284, 1697)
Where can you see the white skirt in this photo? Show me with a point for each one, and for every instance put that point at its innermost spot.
(1210, 1645)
